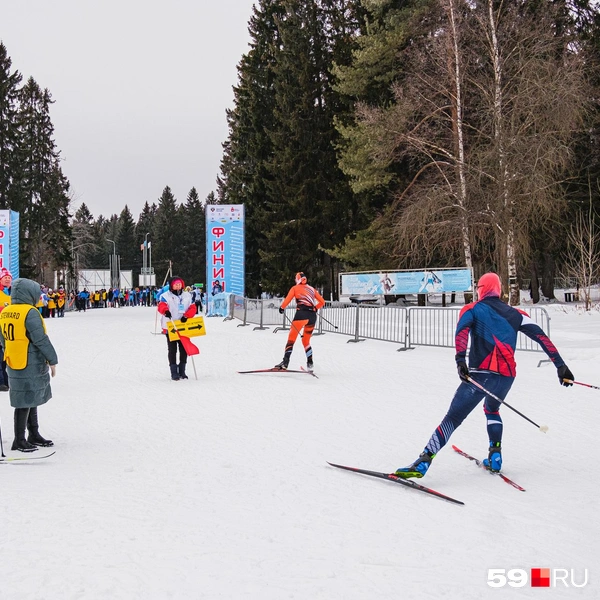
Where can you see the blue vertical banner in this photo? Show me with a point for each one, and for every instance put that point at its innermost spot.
(14, 241)
(225, 249)
(9, 241)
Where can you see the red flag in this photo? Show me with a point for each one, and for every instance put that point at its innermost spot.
(190, 348)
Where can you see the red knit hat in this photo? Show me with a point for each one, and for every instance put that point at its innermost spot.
(489, 285)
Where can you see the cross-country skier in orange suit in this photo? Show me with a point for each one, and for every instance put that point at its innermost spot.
(308, 302)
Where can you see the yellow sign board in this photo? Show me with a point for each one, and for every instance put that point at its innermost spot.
(191, 328)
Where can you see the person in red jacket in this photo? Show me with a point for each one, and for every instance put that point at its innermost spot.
(176, 304)
(308, 302)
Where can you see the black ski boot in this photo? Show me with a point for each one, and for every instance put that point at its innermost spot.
(182, 374)
(283, 365)
(33, 427)
(174, 373)
(20, 443)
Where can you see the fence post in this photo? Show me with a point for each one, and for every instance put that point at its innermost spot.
(244, 323)
(356, 327)
(262, 307)
(283, 327)
(407, 345)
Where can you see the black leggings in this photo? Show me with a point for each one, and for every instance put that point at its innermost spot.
(172, 345)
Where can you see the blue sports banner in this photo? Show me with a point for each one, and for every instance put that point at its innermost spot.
(225, 249)
(406, 282)
(9, 241)
(14, 244)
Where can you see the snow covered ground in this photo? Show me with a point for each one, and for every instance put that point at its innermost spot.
(218, 488)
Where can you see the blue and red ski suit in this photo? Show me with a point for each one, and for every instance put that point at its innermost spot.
(493, 327)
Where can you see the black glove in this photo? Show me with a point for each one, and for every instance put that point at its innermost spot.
(168, 314)
(463, 370)
(183, 319)
(281, 310)
(565, 373)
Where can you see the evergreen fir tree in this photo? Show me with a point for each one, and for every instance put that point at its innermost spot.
(131, 256)
(246, 153)
(9, 133)
(167, 234)
(43, 189)
(193, 251)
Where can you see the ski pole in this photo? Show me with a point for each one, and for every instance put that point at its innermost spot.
(292, 324)
(326, 321)
(579, 383)
(543, 428)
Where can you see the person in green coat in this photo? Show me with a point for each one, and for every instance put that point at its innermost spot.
(30, 358)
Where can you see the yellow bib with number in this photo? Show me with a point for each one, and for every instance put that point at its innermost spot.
(16, 342)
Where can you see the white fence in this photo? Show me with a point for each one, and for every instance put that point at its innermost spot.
(99, 279)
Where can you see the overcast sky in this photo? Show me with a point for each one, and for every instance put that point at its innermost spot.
(140, 90)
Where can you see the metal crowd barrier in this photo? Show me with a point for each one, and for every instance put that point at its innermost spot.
(409, 327)
(436, 327)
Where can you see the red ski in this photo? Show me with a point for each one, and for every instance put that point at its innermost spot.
(309, 372)
(405, 482)
(480, 464)
(274, 370)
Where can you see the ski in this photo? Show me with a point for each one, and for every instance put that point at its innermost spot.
(273, 370)
(309, 372)
(480, 464)
(14, 458)
(405, 482)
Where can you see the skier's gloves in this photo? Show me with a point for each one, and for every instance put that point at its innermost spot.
(53, 370)
(183, 319)
(281, 310)
(463, 370)
(168, 314)
(565, 373)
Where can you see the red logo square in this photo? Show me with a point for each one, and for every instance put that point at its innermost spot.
(540, 577)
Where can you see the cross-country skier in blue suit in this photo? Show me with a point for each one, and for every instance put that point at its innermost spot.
(493, 327)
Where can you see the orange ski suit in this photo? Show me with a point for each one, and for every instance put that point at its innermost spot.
(308, 302)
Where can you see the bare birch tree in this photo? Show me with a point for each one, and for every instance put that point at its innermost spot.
(483, 112)
(425, 129)
(533, 97)
(583, 257)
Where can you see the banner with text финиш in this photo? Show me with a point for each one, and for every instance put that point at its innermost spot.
(225, 250)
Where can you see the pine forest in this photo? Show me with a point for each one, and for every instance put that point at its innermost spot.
(364, 135)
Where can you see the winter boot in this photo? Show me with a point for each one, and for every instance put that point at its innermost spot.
(182, 374)
(33, 427)
(174, 373)
(418, 468)
(494, 460)
(283, 365)
(20, 443)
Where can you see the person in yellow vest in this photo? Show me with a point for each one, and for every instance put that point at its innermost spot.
(61, 299)
(30, 358)
(51, 303)
(5, 283)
